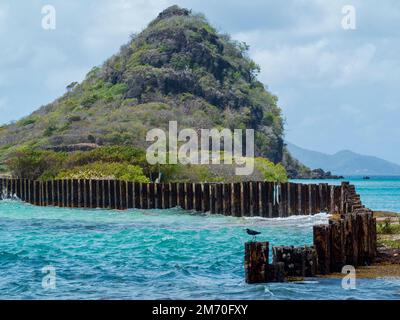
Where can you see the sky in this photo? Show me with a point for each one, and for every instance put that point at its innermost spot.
(338, 88)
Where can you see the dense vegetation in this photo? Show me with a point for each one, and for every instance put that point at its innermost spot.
(101, 170)
(125, 163)
(178, 69)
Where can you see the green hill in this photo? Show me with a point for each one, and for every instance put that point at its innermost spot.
(178, 69)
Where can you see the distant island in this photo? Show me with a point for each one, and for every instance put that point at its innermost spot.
(345, 162)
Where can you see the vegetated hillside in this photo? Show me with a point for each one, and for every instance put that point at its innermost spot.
(179, 68)
(345, 162)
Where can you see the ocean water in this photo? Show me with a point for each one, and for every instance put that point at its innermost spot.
(378, 193)
(154, 254)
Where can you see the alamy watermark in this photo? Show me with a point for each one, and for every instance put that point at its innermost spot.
(349, 20)
(49, 280)
(49, 17)
(349, 281)
(212, 147)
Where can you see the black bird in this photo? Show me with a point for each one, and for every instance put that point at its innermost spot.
(253, 233)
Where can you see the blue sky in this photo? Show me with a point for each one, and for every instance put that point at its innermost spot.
(339, 89)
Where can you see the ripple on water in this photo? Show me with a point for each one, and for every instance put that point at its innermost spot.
(100, 254)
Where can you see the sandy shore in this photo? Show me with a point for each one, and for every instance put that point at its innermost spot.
(387, 264)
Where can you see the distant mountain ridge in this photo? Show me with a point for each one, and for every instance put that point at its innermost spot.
(344, 162)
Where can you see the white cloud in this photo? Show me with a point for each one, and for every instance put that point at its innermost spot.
(313, 50)
(324, 17)
(354, 65)
(315, 63)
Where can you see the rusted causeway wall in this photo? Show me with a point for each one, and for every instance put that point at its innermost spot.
(270, 200)
(348, 239)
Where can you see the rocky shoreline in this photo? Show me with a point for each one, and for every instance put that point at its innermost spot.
(315, 175)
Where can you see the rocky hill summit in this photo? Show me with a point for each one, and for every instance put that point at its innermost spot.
(178, 69)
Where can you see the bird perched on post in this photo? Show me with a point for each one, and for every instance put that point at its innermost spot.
(253, 233)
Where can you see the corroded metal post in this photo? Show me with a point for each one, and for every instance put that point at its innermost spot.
(197, 197)
(338, 253)
(130, 200)
(213, 198)
(256, 261)
(206, 198)
(264, 199)
(152, 196)
(181, 195)
(298, 261)
(174, 194)
(189, 196)
(322, 246)
(227, 198)
(159, 196)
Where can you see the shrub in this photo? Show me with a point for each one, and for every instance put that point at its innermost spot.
(74, 118)
(127, 154)
(50, 130)
(31, 164)
(102, 170)
(88, 101)
(387, 227)
(187, 173)
(180, 61)
(271, 172)
(26, 121)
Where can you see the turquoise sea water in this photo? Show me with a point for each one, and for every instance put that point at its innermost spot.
(170, 254)
(378, 193)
